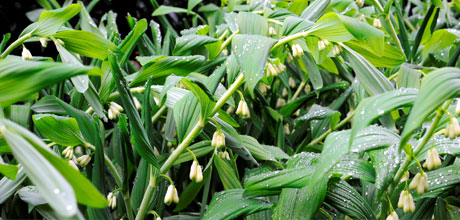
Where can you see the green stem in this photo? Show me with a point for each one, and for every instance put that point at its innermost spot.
(290, 38)
(184, 144)
(227, 41)
(419, 147)
(129, 208)
(15, 44)
(299, 89)
(158, 113)
(147, 196)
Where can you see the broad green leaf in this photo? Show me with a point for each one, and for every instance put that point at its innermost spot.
(331, 28)
(188, 42)
(86, 43)
(87, 23)
(251, 23)
(437, 87)
(294, 25)
(61, 130)
(441, 180)
(262, 152)
(251, 52)
(206, 103)
(385, 162)
(356, 168)
(30, 195)
(129, 43)
(312, 71)
(9, 171)
(297, 6)
(320, 112)
(287, 178)
(408, 77)
(29, 77)
(439, 40)
(370, 36)
(376, 106)
(231, 204)
(187, 112)
(192, 3)
(164, 9)
(20, 114)
(50, 21)
(347, 200)
(315, 10)
(390, 57)
(143, 145)
(85, 192)
(54, 188)
(373, 81)
(227, 174)
(160, 69)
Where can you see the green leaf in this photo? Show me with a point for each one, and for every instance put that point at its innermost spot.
(54, 188)
(251, 52)
(192, 3)
(286, 178)
(312, 71)
(29, 77)
(320, 112)
(385, 162)
(437, 87)
(370, 36)
(373, 81)
(50, 21)
(331, 28)
(61, 130)
(439, 40)
(315, 10)
(9, 171)
(85, 192)
(206, 103)
(143, 145)
(390, 57)
(251, 23)
(408, 77)
(376, 106)
(160, 69)
(86, 43)
(294, 25)
(227, 174)
(356, 168)
(164, 9)
(347, 200)
(192, 41)
(231, 204)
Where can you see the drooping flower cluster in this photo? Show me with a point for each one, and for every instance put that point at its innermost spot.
(406, 201)
(419, 182)
(112, 198)
(393, 216)
(218, 139)
(114, 110)
(196, 174)
(432, 160)
(297, 50)
(171, 195)
(322, 44)
(243, 109)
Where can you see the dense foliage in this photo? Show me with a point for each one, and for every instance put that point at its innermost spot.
(289, 109)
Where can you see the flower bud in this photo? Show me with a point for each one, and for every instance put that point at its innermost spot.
(280, 102)
(377, 23)
(116, 106)
(286, 129)
(420, 183)
(321, 45)
(243, 109)
(360, 3)
(192, 174)
(281, 68)
(271, 31)
(110, 114)
(453, 129)
(432, 160)
(84, 160)
(158, 218)
(196, 174)
(415, 181)
(271, 70)
(289, 58)
(112, 198)
(199, 174)
(402, 195)
(405, 177)
(292, 83)
(226, 155)
(137, 103)
(43, 41)
(297, 50)
(263, 88)
(176, 196)
(393, 216)
(218, 139)
(68, 152)
(225, 52)
(336, 49)
(26, 55)
(114, 110)
(284, 92)
(169, 197)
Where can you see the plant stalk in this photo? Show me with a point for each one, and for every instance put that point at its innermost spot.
(147, 196)
(419, 147)
(15, 44)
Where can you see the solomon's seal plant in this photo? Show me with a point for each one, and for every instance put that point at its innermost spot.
(281, 109)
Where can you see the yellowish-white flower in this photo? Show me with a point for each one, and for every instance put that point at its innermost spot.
(271, 70)
(114, 110)
(419, 182)
(405, 177)
(84, 160)
(263, 88)
(137, 103)
(322, 44)
(336, 49)
(292, 83)
(271, 31)
(406, 201)
(171, 195)
(432, 160)
(225, 52)
(196, 174)
(26, 55)
(377, 23)
(453, 128)
(280, 102)
(286, 129)
(68, 152)
(112, 198)
(289, 58)
(360, 3)
(43, 42)
(218, 139)
(297, 50)
(393, 216)
(243, 109)
(284, 92)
